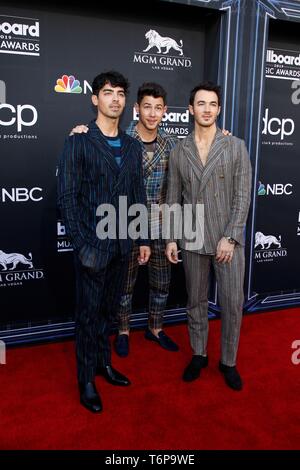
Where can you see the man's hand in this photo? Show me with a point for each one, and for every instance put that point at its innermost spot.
(144, 255)
(172, 252)
(225, 132)
(224, 251)
(79, 129)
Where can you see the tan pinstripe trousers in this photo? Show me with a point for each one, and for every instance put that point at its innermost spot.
(230, 279)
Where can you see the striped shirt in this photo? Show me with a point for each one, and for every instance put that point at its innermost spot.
(115, 144)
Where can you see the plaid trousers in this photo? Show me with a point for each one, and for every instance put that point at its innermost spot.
(159, 270)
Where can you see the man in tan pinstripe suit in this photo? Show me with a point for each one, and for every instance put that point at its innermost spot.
(214, 170)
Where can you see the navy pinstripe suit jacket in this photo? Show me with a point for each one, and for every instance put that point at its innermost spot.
(88, 176)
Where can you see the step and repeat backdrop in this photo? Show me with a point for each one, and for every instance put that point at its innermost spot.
(277, 231)
(48, 62)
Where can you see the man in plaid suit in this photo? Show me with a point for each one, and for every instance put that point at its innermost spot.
(156, 148)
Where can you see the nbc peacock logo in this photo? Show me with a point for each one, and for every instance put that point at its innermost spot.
(261, 189)
(67, 84)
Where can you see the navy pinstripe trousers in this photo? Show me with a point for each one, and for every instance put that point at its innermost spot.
(97, 300)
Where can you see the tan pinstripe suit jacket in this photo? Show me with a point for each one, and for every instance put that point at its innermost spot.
(223, 185)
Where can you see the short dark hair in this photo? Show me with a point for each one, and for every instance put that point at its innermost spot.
(208, 86)
(151, 89)
(112, 77)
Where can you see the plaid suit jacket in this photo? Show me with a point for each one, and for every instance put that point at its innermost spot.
(155, 170)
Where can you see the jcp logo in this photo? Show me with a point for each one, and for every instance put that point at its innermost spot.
(23, 115)
(276, 126)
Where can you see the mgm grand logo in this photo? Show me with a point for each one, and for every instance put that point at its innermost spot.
(16, 268)
(162, 52)
(268, 247)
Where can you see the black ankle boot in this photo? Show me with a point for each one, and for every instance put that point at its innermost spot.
(90, 398)
(192, 371)
(112, 376)
(231, 376)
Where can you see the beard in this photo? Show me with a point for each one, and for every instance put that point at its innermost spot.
(206, 123)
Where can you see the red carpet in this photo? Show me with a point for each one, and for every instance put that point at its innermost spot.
(40, 407)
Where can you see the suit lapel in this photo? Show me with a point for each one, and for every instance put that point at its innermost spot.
(125, 151)
(98, 140)
(149, 165)
(218, 145)
(192, 155)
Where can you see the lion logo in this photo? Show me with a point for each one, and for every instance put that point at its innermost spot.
(158, 41)
(14, 259)
(262, 240)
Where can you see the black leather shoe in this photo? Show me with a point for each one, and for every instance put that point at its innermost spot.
(162, 339)
(122, 345)
(192, 371)
(90, 398)
(231, 376)
(113, 376)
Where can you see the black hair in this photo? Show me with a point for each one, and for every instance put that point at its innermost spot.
(151, 89)
(208, 86)
(112, 77)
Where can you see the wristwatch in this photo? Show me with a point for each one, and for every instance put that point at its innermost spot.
(231, 240)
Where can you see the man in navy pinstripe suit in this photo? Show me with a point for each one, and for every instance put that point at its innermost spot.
(97, 168)
(156, 147)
